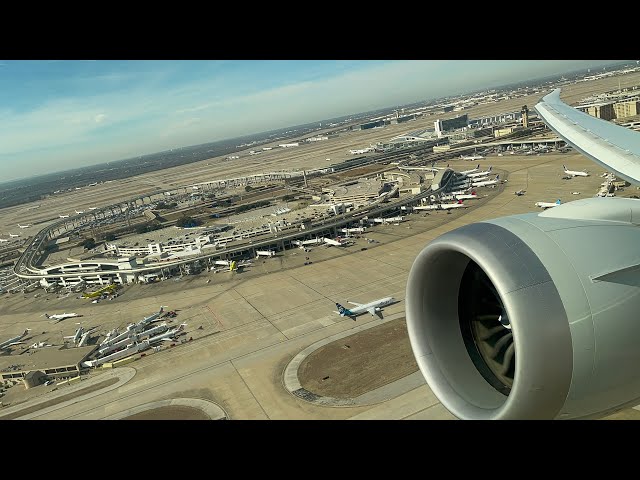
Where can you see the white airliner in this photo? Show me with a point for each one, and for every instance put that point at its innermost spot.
(442, 206)
(471, 157)
(63, 216)
(41, 345)
(14, 340)
(479, 174)
(24, 226)
(61, 316)
(467, 196)
(14, 235)
(473, 170)
(151, 318)
(374, 308)
(79, 212)
(520, 192)
(4, 240)
(80, 332)
(361, 150)
(93, 208)
(486, 183)
(546, 205)
(575, 173)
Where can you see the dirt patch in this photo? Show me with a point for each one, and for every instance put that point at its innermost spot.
(60, 399)
(172, 412)
(360, 363)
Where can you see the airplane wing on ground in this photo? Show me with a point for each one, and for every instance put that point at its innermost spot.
(356, 304)
(609, 145)
(504, 315)
(374, 312)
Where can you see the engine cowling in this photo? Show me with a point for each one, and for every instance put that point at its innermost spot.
(532, 316)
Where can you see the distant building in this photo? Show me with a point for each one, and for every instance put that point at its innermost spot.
(602, 110)
(626, 109)
(442, 126)
(495, 119)
(525, 116)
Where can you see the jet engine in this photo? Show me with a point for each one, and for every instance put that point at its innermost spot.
(532, 316)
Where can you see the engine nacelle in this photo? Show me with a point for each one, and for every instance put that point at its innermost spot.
(532, 316)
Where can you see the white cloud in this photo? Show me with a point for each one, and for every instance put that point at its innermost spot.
(100, 117)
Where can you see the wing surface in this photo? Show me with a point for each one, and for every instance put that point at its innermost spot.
(611, 146)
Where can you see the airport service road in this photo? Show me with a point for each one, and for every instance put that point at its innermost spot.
(265, 320)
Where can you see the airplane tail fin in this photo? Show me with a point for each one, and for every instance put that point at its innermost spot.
(490, 167)
(498, 177)
(47, 315)
(565, 168)
(558, 202)
(343, 311)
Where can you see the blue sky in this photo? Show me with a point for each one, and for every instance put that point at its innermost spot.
(57, 115)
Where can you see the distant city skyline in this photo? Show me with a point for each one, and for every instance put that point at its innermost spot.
(60, 115)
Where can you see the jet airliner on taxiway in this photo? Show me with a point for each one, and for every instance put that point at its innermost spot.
(534, 316)
(575, 173)
(58, 317)
(374, 308)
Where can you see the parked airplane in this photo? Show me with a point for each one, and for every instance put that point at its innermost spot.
(63, 216)
(463, 192)
(76, 337)
(14, 235)
(546, 205)
(442, 206)
(61, 316)
(575, 173)
(24, 226)
(473, 170)
(14, 340)
(167, 336)
(520, 192)
(374, 308)
(79, 212)
(471, 157)
(479, 174)
(566, 283)
(361, 150)
(3, 240)
(41, 345)
(152, 317)
(93, 208)
(466, 196)
(486, 183)
(80, 336)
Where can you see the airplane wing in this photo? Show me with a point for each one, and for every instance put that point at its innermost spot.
(11, 344)
(356, 304)
(609, 145)
(374, 312)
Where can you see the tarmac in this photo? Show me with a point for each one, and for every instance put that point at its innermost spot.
(255, 326)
